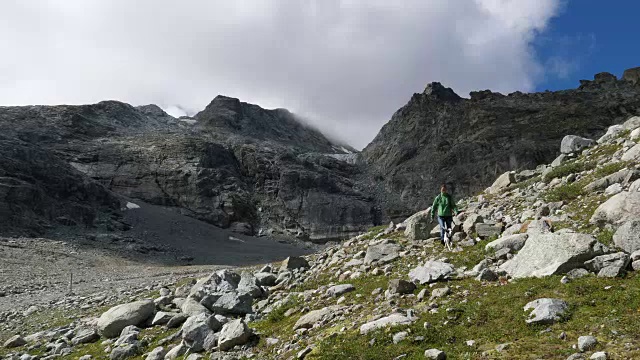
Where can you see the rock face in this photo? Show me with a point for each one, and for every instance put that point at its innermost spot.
(236, 165)
(118, 317)
(440, 137)
(552, 253)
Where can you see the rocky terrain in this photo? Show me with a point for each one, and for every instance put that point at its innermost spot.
(544, 266)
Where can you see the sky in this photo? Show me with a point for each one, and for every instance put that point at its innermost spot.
(344, 66)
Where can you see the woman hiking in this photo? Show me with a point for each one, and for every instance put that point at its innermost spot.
(445, 208)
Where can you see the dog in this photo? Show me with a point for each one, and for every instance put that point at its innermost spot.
(447, 237)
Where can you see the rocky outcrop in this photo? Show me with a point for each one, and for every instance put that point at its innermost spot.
(439, 137)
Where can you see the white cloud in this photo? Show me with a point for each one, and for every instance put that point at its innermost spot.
(345, 64)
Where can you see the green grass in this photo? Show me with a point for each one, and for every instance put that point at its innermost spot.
(609, 169)
(569, 168)
(565, 192)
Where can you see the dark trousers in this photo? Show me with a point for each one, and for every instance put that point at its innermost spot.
(442, 220)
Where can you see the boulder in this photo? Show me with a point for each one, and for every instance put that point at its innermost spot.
(197, 329)
(15, 341)
(620, 208)
(233, 333)
(387, 321)
(382, 253)
(176, 352)
(610, 265)
(572, 144)
(266, 278)
(552, 253)
(487, 275)
(338, 290)
(157, 354)
(418, 226)
(125, 351)
(632, 154)
(398, 286)
(161, 318)
(612, 132)
(176, 321)
(111, 323)
(546, 311)
(435, 354)
(627, 237)
(502, 182)
(190, 307)
(431, 271)
(511, 242)
(488, 230)
(599, 355)
(294, 262)
(85, 336)
(249, 285)
(541, 226)
(622, 176)
(313, 317)
(230, 303)
(469, 225)
(586, 343)
(218, 282)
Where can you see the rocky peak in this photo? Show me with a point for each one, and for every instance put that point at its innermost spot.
(632, 75)
(438, 91)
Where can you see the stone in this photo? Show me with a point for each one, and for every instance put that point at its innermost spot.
(218, 282)
(85, 336)
(156, 354)
(435, 354)
(231, 303)
(313, 317)
(610, 265)
(488, 230)
(511, 242)
(552, 254)
(125, 351)
(195, 357)
(502, 182)
(302, 354)
(586, 343)
(577, 273)
(572, 144)
(613, 189)
(618, 209)
(233, 333)
(487, 275)
(339, 290)
(177, 320)
(161, 318)
(612, 132)
(440, 292)
(398, 286)
(418, 226)
(249, 285)
(632, 154)
(399, 337)
(294, 262)
(546, 311)
(191, 307)
(627, 237)
(111, 323)
(431, 271)
(469, 225)
(266, 278)
(541, 226)
(176, 352)
(382, 253)
(15, 341)
(387, 321)
(197, 329)
(600, 355)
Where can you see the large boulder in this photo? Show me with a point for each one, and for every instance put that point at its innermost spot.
(610, 265)
(313, 317)
(198, 332)
(431, 271)
(502, 182)
(627, 237)
(552, 253)
(218, 282)
(233, 333)
(620, 208)
(231, 303)
(572, 143)
(190, 307)
(111, 323)
(418, 226)
(391, 320)
(469, 225)
(632, 154)
(546, 311)
(512, 242)
(382, 253)
(488, 230)
(612, 132)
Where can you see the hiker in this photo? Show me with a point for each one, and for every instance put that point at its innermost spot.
(445, 208)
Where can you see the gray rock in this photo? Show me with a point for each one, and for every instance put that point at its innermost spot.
(15, 341)
(546, 311)
(231, 303)
(469, 225)
(610, 265)
(511, 242)
(488, 230)
(85, 336)
(502, 182)
(161, 318)
(431, 271)
(313, 317)
(294, 262)
(398, 286)
(559, 160)
(382, 253)
(627, 237)
(612, 132)
(125, 351)
(576, 356)
(111, 323)
(487, 275)
(440, 292)
(197, 329)
(586, 343)
(218, 282)
(176, 352)
(418, 226)
(572, 144)
(249, 284)
(600, 355)
(537, 227)
(195, 357)
(233, 333)
(620, 208)
(435, 354)
(577, 273)
(622, 176)
(632, 154)
(191, 307)
(338, 290)
(399, 337)
(156, 354)
(551, 254)
(302, 354)
(266, 278)
(177, 320)
(387, 321)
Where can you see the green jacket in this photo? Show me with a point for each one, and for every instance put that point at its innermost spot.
(444, 205)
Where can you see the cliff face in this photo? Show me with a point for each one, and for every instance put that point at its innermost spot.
(439, 137)
(233, 165)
